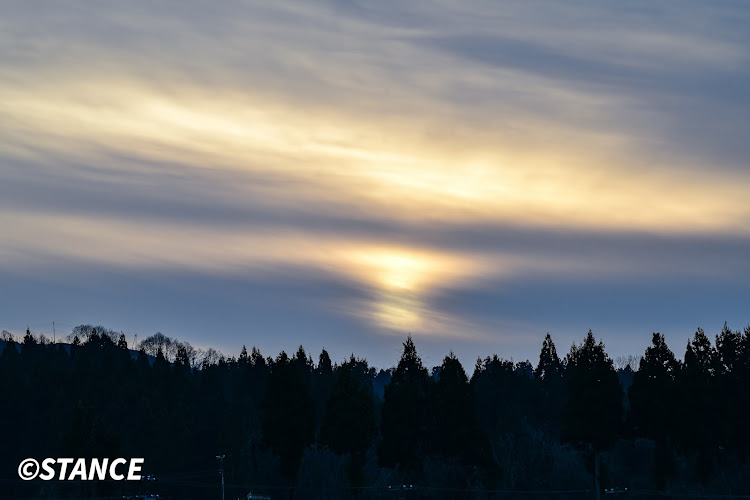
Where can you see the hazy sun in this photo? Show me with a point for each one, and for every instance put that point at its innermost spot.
(402, 277)
(400, 271)
(394, 270)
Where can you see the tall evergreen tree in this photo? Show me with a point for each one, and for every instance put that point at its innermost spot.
(325, 367)
(349, 424)
(652, 395)
(698, 386)
(28, 339)
(243, 359)
(653, 403)
(321, 384)
(729, 351)
(256, 358)
(303, 362)
(458, 431)
(289, 413)
(549, 376)
(549, 367)
(743, 397)
(729, 388)
(407, 422)
(592, 413)
(122, 343)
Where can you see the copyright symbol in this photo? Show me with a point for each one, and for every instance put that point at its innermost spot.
(28, 469)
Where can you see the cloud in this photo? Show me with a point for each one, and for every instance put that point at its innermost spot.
(334, 163)
(412, 156)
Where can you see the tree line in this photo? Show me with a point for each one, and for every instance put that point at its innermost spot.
(289, 426)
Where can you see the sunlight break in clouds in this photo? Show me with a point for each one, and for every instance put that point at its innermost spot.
(358, 164)
(256, 138)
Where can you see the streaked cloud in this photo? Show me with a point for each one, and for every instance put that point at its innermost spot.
(416, 154)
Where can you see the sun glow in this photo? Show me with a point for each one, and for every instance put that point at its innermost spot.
(398, 315)
(407, 269)
(376, 164)
(256, 152)
(403, 279)
(398, 271)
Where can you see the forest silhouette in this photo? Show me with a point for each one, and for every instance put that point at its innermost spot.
(576, 426)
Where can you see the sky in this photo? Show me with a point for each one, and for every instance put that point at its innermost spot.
(341, 174)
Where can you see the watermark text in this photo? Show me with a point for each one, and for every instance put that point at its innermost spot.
(82, 469)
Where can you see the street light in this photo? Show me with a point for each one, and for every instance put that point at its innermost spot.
(221, 470)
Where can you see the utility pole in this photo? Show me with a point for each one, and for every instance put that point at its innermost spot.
(53, 332)
(221, 470)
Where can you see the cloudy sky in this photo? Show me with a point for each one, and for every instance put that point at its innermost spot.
(339, 174)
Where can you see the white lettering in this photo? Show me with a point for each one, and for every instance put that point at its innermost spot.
(113, 467)
(135, 466)
(98, 468)
(49, 472)
(79, 470)
(64, 462)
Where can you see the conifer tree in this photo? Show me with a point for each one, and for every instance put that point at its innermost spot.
(698, 408)
(243, 359)
(730, 388)
(256, 358)
(289, 413)
(549, 367)
(28, 339)
(407, 422)
(653, 403)
(122, 343)
(592, 413)
(325, 367)
(743, 379)
(548, 377)
(349, 423)
(458, 432)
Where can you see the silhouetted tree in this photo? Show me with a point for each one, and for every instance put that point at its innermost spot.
(349, 422)
(592, 413)
(407, 423)
(256, 358)
(182, 359)
(180, 416)
(458, 431)
(159, 341)
(289, 413)
(122, 343)
(243, 359)
(28, 339)
(325, 367)
(507, 398)
(698, 383)
(743, 396)
(654, 405)
(549, 368)
(729, 351)
(549, 376)
(93, 339)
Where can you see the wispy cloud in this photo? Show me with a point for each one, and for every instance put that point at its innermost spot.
(417, 153)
